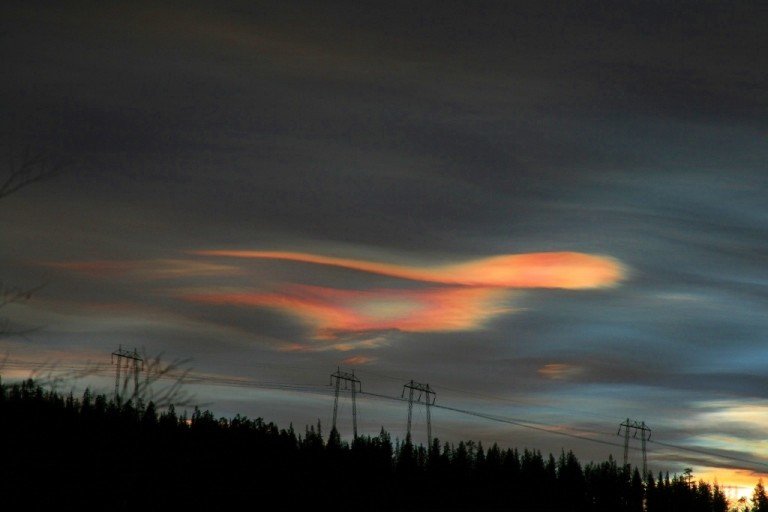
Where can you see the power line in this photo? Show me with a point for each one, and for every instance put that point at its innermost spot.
(192, 378)
(496, 397)
(551, 429)
(709, 453)
(510, 421)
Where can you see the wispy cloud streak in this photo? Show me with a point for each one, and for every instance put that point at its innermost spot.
(566, 270)
(148, 269)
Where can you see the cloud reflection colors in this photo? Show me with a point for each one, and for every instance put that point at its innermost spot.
(566, 270)
(332, 311)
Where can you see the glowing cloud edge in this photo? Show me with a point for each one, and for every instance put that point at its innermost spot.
(564, 270)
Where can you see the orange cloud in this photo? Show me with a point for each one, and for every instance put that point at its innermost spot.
(567, 270)
(357, 360)
(560, 371)
(342, 341)
(331, 310)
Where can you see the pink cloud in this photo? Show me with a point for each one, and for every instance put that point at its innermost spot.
(332, 310)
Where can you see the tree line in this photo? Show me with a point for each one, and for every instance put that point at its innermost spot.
(96, 452)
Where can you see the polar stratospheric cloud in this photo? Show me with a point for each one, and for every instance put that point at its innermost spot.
(472, 292)
(567, 270)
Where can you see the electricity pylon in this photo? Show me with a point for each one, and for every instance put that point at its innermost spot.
(132, 360)
(353, 384)
(645, 435)
(428, 396)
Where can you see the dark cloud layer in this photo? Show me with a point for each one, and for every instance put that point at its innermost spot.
(414, 134)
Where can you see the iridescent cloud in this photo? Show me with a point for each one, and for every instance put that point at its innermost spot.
(567, 270)
(357, 360)
(332, 311)
(560, 371)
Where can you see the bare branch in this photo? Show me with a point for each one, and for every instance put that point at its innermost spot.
(24, 169)
(141, 384)
(155, 370)
(30, 168)
(11, 295)
(55, 374)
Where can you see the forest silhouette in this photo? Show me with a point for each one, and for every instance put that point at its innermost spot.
(94, 452)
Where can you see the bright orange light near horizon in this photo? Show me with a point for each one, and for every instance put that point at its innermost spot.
(735, 483)
(566, 270)
(332, 311)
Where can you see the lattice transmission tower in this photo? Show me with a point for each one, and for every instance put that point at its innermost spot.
(353, 384)
(131, 360)
(426, 396)
(635, 428)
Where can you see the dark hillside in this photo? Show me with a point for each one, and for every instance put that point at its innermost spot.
(93, 453)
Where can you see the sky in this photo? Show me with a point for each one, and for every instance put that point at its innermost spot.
(552, 213)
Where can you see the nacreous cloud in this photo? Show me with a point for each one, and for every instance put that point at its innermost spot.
(566, 270)
(332, 311)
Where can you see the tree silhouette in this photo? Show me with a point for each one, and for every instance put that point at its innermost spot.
(719, 501)
(759, 498)
(60, 441)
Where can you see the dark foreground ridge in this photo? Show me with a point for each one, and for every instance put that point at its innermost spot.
(96, 453)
